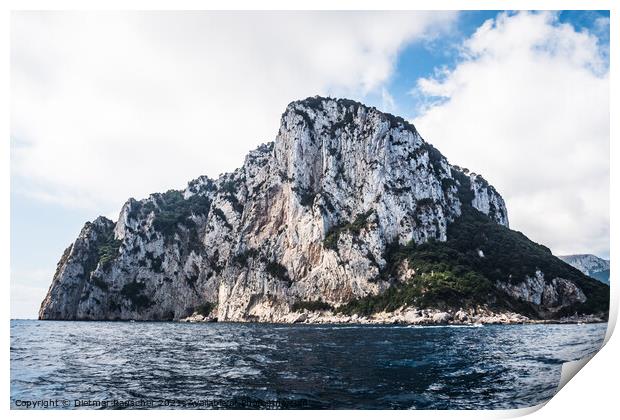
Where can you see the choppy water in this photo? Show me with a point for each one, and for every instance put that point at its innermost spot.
(174, 365)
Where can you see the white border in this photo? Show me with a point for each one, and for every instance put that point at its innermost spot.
(592, 395)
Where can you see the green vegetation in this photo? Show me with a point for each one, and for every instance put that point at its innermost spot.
(423, 205)
(205, 309)
(230, 188)
(201, 184)
(173, 209)
(452, 275)
(396, 121)
(306, 197)
(442, 282)
(340, 125)
(107, 249)
(314, 102)
(304, 115)
(273, 268)
(508, 254)
(435, 158)
(360, 222)
(312, 305)
(447, 184)
(220, 214)
(465, 194)
(133, 292)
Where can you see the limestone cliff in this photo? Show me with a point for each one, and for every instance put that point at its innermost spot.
(308, 217)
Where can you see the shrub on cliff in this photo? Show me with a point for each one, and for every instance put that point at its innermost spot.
(454, 274)
(355, 227)
(108, 249)
(311, 305)
(173, 209)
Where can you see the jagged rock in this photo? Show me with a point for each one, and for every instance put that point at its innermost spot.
(199, 318)
(441, 318)
(307, 217)
(536, 290)
(300, 318)
(411, 317)
(461, 316)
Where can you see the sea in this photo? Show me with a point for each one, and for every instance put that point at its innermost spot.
(171, 365)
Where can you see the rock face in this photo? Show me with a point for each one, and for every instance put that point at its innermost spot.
(74, 273)
(308, 217)
(556, 293)
(590, 265)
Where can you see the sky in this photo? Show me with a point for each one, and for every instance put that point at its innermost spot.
(111, 105)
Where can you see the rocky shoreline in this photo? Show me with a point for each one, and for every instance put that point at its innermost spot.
(407, 316)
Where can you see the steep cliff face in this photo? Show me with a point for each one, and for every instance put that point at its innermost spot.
(75, 270)
(310, 216)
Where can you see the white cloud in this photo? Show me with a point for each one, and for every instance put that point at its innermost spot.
(111, 105)
(528, 108)
(387, 101)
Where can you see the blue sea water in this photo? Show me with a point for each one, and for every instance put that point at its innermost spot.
(56, 364)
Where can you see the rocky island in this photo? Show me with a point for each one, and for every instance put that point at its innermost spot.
(348, 216)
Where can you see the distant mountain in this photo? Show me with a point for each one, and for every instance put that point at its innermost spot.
(348, 210)
(591, 265)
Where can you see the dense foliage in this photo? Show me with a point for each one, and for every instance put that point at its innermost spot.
(107, 248)
(273, 268)
(220, 214)
(453, 274)
(173, 209)
(508, 255)
(311, 305)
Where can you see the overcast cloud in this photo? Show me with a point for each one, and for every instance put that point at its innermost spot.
(528, 108)
(111, 105)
